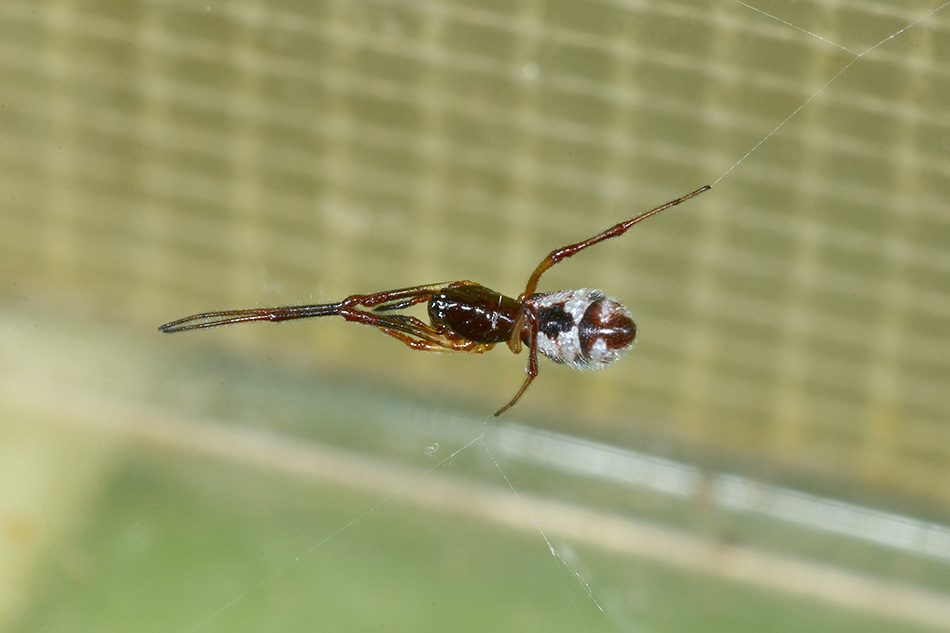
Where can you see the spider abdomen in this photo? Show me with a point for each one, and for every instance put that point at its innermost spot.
(584, 329)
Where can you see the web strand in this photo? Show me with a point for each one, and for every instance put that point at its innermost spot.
(814, 95)
(797, 28)
(554, 552)
(330, 537)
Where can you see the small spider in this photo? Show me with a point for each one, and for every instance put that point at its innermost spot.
(584, 329)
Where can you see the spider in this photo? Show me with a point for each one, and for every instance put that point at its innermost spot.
(584, 329)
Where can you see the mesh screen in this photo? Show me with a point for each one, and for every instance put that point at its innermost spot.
(165, 158)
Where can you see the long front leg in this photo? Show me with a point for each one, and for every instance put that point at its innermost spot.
(614, 231)
(387, 300)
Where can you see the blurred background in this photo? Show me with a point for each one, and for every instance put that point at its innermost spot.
(774, 455)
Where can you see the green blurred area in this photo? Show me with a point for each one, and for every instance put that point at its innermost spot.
(180, 540)
(239, 516)
(162, 159)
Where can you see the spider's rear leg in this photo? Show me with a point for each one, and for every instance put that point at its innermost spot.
(529, 318)
(447, 345)
(413, 332)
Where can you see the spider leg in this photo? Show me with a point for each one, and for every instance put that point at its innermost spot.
(514, 343)
(413, 332)
(408, 329)
(401, 298)
(614, 231)
(448, 345)
(532, 368)
(227, 317)
(401, 303)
